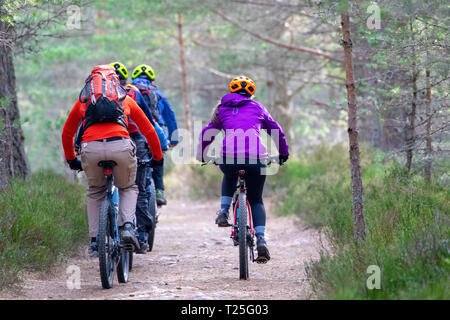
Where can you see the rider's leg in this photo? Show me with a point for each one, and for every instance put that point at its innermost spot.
(158, 178)
(255, 185)
(123, 152)
(229, 182)
(143, 219)
(96, 192)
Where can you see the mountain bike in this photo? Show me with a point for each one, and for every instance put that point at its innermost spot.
(152, 206)
(242, 231)
(113, 253)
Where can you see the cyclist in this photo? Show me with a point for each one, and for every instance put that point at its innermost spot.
(242, 120)
(109, 141)
(143, 77)
(143, 218)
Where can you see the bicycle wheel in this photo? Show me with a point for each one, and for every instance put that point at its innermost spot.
(130, 267)
(123, 266)
(242, 236)
(153, 211)
(106, 246)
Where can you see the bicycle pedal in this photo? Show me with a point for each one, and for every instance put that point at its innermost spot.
(128, 246)
(223, 225)
(261, 260)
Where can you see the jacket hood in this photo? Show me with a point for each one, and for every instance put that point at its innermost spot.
(234, 100)
(141, 80)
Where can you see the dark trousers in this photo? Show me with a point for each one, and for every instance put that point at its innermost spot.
(157, 175)
(254, 180)
(143, 219)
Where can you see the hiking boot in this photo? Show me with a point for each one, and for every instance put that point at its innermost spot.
(128, 235)
(143, 243)
(263, 251)
(93, 250)
(160, 199)
(222, 218)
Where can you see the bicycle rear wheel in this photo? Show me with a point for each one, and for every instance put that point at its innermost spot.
(242, 236)
(106, 245)
(153, 212)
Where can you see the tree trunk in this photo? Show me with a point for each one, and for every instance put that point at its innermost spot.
(12, 153)
(410, 142)
(187, 110)
(429, 148)
(357, 187)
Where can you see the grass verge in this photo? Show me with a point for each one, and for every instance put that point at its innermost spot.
(407, 225)
(42, 221)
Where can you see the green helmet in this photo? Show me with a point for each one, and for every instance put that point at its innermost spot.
(143, 70)
(121, 70)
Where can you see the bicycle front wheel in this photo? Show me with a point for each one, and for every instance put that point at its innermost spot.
(242, 236)
(106, 245)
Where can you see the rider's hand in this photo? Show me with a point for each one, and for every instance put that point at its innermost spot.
(156, 163)
(75, 164)
(283, 159)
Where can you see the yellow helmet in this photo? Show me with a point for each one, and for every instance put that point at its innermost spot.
(121, 70)
(143, 69)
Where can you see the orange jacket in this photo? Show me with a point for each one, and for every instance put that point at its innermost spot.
(99, 131)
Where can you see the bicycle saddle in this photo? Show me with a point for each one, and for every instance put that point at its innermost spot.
(107, 163)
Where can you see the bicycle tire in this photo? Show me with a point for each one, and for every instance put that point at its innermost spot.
(131, 261)
(123, 267)
(105, 242)
(153, 212)
(242, 237)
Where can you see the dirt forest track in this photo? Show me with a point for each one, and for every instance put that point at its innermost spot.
(192, 259)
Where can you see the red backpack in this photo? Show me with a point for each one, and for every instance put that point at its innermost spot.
(103, 96)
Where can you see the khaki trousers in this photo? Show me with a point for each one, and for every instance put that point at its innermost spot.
(123, 152)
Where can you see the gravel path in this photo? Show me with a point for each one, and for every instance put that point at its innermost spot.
(192, 259)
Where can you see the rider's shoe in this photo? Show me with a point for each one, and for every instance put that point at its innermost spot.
(93, 250)
(129, 235)
(160, 199)
(143, 243)
(263, 251)
(222, 218)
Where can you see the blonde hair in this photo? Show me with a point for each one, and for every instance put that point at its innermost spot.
(215, 113)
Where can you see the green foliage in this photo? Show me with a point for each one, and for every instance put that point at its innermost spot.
(407, 221)
(42, 220)
(194, 182)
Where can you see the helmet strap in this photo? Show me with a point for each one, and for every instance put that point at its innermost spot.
(244, 93)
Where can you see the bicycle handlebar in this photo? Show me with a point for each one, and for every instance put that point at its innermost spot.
(218, 160)
(144, 162)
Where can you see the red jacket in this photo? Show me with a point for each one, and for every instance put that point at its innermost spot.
(99, 131)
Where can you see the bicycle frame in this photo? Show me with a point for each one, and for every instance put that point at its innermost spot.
(112, 193)
(241, 188)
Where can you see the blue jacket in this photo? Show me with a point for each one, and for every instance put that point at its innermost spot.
(165, 110)
(161, 135)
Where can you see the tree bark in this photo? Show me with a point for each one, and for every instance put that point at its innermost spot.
(410, 142)
(429, 148)
(13, 160)
(187, 109)
(355, 166)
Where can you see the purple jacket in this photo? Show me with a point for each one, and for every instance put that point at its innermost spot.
(242, 120)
